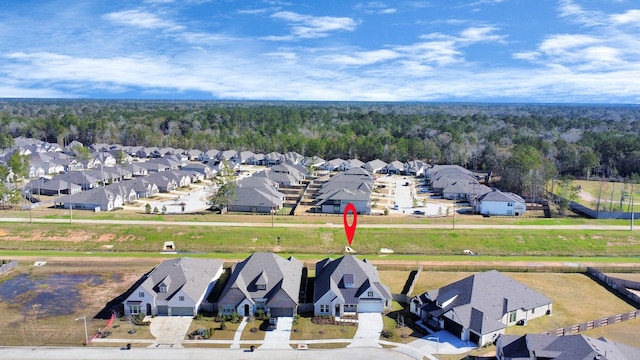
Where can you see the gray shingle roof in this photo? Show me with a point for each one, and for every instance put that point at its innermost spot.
(193, 276)
(331, 274)
(482, 299)
(285, 274)
(568, 347)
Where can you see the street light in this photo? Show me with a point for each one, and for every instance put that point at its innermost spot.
(86, 333)
(437, 343)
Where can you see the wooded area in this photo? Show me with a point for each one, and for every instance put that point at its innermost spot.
(524, 144)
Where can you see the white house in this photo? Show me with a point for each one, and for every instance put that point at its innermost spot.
(478, 308)
(497, 202)
(176, 287)
(349, 285)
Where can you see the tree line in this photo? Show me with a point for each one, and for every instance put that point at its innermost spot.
(522, 143)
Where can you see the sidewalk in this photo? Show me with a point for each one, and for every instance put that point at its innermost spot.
(236, 337)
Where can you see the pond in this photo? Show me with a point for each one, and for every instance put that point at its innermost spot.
(54, 294)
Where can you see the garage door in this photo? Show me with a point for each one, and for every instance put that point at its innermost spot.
(370, 306)
(181, 311)
(163, 310)
(453, 327)
(281, 312)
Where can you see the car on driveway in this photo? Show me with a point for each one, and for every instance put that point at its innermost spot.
(418, 212)
(273, 323)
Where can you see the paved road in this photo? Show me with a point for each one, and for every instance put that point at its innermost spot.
(136, 353)
(325, 225)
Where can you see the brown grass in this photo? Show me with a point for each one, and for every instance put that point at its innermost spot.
(306, 330)
(576, 298)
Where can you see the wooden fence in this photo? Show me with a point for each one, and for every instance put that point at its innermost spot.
(588, 325)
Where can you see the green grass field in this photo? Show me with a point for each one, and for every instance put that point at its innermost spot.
(140, 239)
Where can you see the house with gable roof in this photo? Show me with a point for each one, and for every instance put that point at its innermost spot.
(567, 347)
(375, 166)
(352, 186)
(478, 308)
(176, 287)
(496, 202)
(264, 282)
(349, 285)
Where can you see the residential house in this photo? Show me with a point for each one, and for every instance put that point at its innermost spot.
(242, 157)
(478, 308)
(349, 285)
(176, 287)
(333, 165)
(193, 154)
(136, 170)
(142, 187)
(497, 202)
(164, 183)
(293, 158)
(375, 166)
(105, 158)
(256, 159)
(209, 156)
(256, 195)
(352, 186)
(204, 169)
(273, 158)
(127, 193)
(568, 347)
(52, 187)
(99, 199)
(415, 168)
(264, 282)
(395, 167)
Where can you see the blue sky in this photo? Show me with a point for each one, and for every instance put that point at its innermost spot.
(558, 51)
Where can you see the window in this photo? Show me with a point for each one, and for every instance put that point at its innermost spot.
(370, 294)
(324, 308)
(163, 288)
(134, 309)
(180, 298)
(512, 316)
(533, 311)
(262, 287)
(141, 294)
(510, 204)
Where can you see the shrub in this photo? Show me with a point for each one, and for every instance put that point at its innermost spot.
(386, 333)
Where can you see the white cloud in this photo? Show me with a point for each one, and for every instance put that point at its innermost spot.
(480, 34)
(361, 58)
(141, 19)
(631, 17)
(309, 27)
(375, 7)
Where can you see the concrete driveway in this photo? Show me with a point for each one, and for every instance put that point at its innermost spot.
(279, 338)
(169, 331)
(442, 342)
(368, 333)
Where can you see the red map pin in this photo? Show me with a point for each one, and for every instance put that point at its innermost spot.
(350, 230)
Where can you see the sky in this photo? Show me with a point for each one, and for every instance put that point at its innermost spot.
(542, 51)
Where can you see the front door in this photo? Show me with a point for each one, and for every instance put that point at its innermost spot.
(149, 310)
(337, 313)
(246, 310)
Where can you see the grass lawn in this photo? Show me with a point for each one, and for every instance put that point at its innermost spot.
(304, 329)
(149, 239)
(609, 193)
(395, 280)
(400, 334)
(565, 290)
(625, 332)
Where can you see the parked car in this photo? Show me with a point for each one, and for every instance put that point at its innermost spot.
(395, 207)
(273, 323)
(406, 183)
(418, 212)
